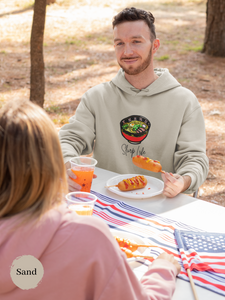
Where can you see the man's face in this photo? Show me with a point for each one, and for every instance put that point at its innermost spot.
(133, 46)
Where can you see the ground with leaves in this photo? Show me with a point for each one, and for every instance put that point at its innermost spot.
(79, 54)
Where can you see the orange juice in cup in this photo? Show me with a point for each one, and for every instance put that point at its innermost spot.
(81, 202)
(83, 168)
(83, 210)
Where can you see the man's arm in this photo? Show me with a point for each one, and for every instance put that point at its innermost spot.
(190, 154)
(77, 137)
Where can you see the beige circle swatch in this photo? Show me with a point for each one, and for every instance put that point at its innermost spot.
(26, 272)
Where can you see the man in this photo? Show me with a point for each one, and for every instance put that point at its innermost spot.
(142, 111)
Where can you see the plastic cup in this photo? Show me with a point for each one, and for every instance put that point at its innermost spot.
(81, 202)
(83, 168)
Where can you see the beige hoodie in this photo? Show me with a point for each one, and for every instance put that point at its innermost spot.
(81, 261)
(163, 121)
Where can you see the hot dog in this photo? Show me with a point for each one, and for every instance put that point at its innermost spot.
(147, 163)
(130, 254)
(134, 183)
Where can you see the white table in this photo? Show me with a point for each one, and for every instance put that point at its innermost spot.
(189, 210)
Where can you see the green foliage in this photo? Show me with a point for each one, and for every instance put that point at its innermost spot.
(197, 48)
(78, 43)
(53, 109)
(2, 101)
(181, 2)
(183, 79)
(28, 4)
(95, 39)
(171, 42)
(91, 62)
(162, 58)
(104, 39)
(172, 3)
(89, 36)
(62, 119)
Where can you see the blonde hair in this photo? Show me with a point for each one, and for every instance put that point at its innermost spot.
(32, 171)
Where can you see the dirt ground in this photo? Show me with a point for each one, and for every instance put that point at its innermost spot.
(79, 54)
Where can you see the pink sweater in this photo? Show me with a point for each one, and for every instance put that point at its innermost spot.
(81, 261)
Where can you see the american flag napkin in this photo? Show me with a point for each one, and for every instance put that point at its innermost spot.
(158, 230)
(202, 251)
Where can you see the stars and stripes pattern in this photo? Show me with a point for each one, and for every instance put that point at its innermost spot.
(202, 251)
(160, 231)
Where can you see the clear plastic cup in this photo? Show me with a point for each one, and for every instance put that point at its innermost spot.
(83, 168)
(81, 202)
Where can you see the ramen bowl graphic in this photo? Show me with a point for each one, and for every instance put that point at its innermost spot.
(135, 128)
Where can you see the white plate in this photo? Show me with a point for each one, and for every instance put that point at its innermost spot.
(154, 187)
(138, 265)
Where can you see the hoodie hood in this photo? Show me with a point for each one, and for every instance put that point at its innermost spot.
(163, 83)
(18, 239)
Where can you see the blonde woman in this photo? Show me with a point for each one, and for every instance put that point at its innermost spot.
(81, 260)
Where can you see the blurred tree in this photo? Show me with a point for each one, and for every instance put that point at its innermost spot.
(214, 43)
(50, 2)
(37, 76)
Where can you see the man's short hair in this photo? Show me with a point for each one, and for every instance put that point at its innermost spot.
(134, 14)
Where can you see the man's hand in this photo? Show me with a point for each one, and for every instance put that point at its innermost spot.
(170, 258)
(72, 185)
(175, 184)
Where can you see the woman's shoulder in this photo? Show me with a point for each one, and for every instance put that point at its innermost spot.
(91, 229)
(90, 239)
(86, 229)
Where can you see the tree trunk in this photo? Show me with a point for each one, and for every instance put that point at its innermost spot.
(214, 43)
(37, 78)
(50, 2)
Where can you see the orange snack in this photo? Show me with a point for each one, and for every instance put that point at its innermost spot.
(130, 254)
(125, 243)
(129, 244)
(134, 183)
(147, 163)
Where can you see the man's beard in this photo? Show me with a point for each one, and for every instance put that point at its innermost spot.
(139, 69)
